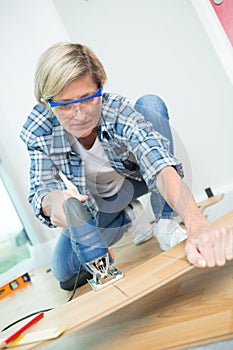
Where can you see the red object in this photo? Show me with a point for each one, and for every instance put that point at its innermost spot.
(224, 11)
(21, 330)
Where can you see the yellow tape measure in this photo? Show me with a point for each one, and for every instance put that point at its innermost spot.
(14, 285)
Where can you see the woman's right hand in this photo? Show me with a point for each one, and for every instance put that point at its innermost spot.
(53, 205)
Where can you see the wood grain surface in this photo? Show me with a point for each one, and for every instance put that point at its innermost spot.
(162, 303)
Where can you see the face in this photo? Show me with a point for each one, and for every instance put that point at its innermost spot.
(80, 118)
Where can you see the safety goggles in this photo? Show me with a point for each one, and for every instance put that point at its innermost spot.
(64, 103)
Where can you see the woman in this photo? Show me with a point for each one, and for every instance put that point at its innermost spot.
(112, 153)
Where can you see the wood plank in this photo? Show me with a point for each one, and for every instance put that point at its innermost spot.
(93, 306)
(210, 201)
(196, 308)
(159, 271)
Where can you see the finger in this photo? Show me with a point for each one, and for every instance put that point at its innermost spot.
(229, 245)
(205, 246)
(193, 255)
(59, 220)
(219, 244)
(81, 197)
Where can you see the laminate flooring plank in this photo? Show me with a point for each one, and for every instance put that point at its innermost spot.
(93, 306)
(190, 310)
(161, 273)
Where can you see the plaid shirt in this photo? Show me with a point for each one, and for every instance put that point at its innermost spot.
(132, 146)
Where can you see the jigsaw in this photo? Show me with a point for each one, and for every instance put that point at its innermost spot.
(90, 245)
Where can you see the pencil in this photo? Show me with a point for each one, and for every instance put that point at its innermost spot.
(21, 330)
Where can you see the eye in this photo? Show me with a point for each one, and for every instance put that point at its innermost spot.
(87, 102)
(67, 107)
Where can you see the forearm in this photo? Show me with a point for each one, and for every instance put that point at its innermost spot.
(179, 197)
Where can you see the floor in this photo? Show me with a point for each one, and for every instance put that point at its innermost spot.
(192, 310)
(198, 305)
(44, 291)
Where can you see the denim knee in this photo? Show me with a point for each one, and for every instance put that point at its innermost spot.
(152, 102)
(154, 110)
(64, 262)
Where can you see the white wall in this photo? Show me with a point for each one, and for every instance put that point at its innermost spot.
(146, 46)
(161, 46)
(27, 28)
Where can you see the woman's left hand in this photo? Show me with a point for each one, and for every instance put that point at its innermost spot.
(209, 246)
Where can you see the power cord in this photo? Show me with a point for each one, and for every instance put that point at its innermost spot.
(75, 284)
(46, 310)
(24, 318)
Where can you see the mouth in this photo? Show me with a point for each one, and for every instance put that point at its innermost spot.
(82, 125)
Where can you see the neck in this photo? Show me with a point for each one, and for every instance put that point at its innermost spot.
(89, 140)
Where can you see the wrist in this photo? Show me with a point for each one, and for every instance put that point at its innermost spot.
(46, 205)
(196, 222)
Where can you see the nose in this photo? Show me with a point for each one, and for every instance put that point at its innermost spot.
(76, 107)
(78, 113)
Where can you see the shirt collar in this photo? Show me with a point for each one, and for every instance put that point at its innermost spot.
(59, 142)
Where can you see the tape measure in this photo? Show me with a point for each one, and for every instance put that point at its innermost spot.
(14, 285)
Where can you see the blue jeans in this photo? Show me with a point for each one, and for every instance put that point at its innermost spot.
(113, 220)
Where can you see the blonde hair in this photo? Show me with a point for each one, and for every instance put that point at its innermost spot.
(62, 63)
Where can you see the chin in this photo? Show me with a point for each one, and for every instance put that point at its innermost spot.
(80, 134)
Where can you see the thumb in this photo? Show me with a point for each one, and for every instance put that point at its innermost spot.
(74, 193)
(193, 255)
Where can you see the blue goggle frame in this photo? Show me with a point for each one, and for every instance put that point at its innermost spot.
(56, 104)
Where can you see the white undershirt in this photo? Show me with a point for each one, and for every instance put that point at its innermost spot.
(101, 178)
